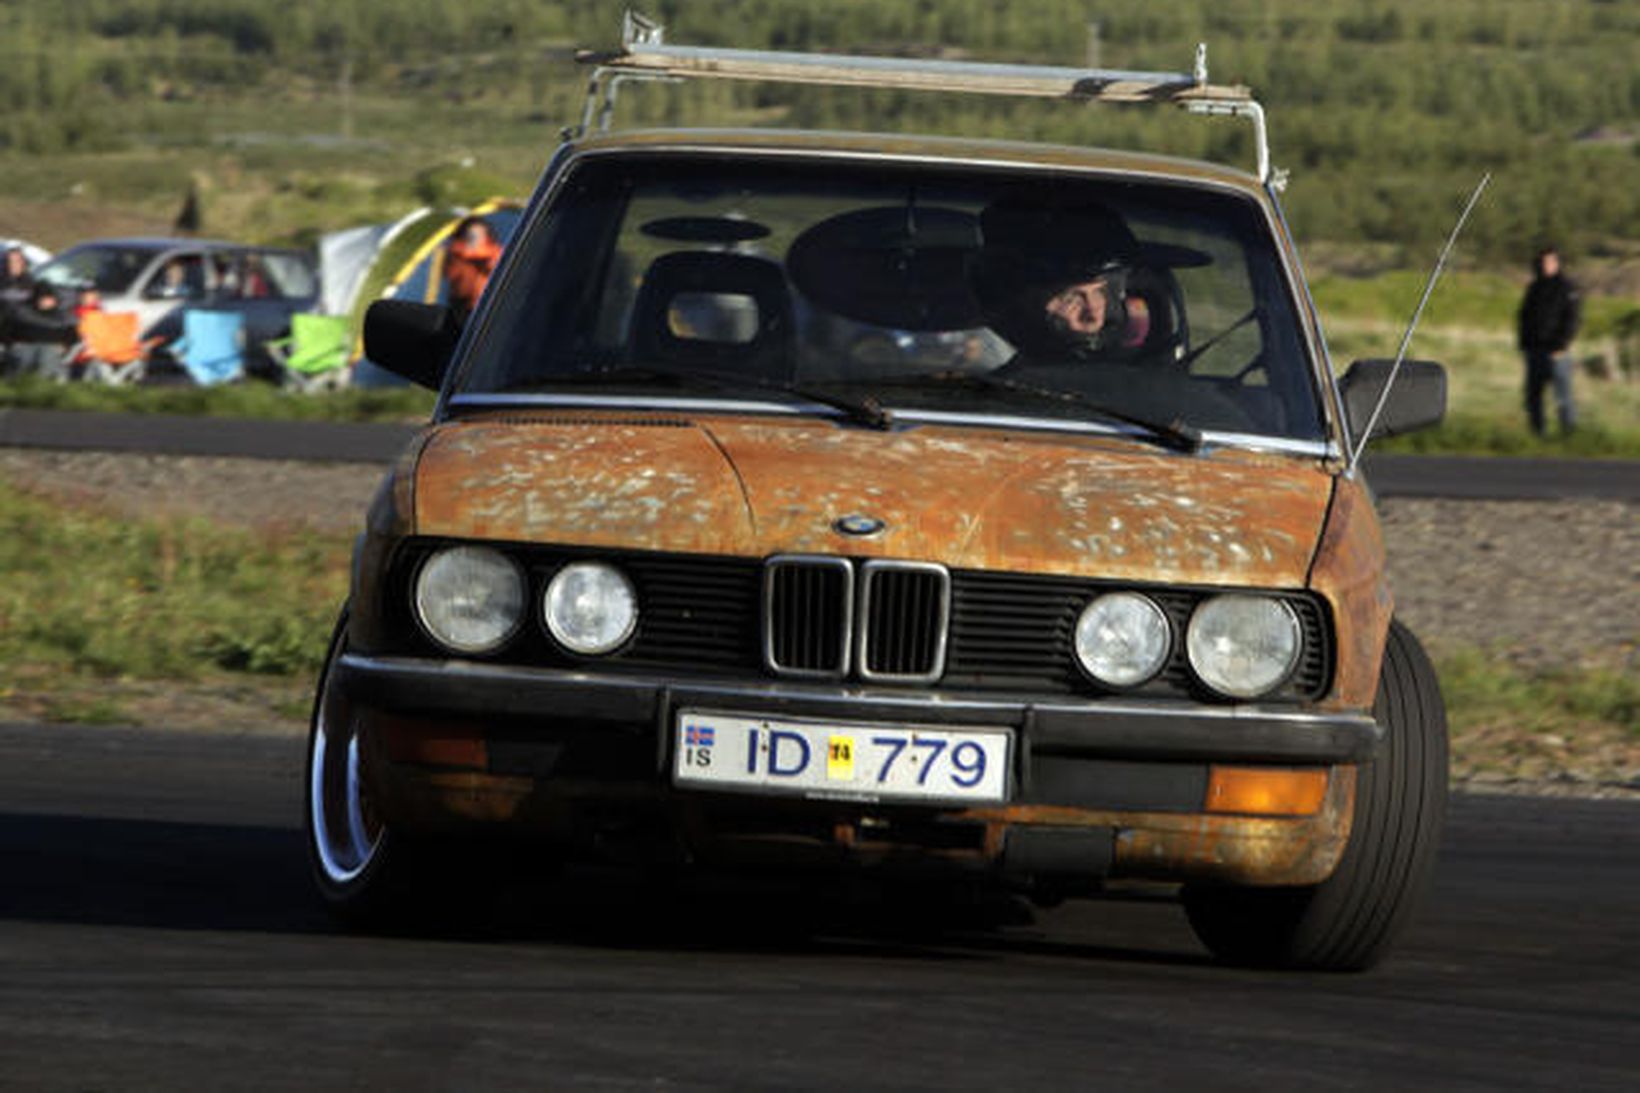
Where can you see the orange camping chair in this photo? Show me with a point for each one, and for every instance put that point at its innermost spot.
(109, 349)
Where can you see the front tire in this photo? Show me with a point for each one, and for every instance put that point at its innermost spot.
(1349, 921)
(363, 870)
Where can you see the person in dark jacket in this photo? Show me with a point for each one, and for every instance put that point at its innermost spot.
(15, 281)
(16, 286)
(1548, 322)
(40, 333)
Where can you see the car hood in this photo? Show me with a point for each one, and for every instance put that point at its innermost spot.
(967, 498)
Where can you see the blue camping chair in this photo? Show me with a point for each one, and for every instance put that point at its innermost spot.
(212, 347)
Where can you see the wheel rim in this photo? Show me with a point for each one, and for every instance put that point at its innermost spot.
(347, 833)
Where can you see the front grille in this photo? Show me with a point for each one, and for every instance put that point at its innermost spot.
(905, 609)
(808, 616)
(817, 617)
(892, 630)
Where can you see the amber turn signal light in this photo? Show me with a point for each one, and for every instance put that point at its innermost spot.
(1264, 791)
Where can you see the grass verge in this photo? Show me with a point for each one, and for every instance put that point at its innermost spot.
(241, 400)
(1508, 722)
(87, 595)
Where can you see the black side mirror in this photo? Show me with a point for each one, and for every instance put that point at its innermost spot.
(1417, 401)
(411, 340)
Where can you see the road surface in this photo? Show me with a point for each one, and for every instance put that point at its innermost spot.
(157, 932)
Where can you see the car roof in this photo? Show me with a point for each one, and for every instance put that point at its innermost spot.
(157, 244)
(920, 149)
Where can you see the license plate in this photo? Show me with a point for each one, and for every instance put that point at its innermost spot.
(840, 760)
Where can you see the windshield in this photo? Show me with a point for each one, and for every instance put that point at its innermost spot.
(105, 268)
(921, 289)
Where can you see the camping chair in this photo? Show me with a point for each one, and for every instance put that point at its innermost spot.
(109, 350)
(212, 347)
(314, 357)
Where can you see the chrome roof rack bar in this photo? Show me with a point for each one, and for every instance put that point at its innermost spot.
(645, 55)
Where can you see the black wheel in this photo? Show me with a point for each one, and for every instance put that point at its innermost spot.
(1348, 922)
(363, 870)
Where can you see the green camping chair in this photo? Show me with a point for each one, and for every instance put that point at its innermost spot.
(314, 357)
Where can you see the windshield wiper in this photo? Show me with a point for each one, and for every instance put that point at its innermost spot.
(1176, 434)
(864, 411)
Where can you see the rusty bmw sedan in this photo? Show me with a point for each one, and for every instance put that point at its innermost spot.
(838, 501)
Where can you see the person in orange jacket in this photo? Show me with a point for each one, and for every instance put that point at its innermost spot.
(468, 263)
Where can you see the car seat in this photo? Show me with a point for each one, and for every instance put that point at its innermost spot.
(717, 310)
(1154, 312)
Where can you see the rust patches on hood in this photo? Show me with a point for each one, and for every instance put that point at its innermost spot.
(647, 485)
(968, 498)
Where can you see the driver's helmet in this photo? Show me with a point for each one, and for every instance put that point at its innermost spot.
(1031, 253)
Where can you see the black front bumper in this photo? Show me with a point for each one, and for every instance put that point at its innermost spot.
(1113, 729)
(1097, 787)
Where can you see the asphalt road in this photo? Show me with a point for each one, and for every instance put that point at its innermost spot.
(1480, 478)
(157, 931)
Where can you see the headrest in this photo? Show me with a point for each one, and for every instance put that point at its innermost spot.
(693, 307)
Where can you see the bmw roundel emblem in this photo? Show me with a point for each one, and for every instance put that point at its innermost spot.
(858, 525)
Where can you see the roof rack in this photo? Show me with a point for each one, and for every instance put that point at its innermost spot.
(644, 55)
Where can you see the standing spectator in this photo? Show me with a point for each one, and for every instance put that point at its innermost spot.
(16, 283)
(40, 332)
(1548, 323)
(471, 258)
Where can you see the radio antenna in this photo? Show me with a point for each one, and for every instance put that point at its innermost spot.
(1406, 339)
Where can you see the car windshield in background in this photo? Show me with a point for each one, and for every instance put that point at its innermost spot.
(105, 268)
(924, 290)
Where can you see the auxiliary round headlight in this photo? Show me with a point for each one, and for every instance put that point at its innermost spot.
(590, 608)
(470, 599)
(1243, 646)
(1122, 639)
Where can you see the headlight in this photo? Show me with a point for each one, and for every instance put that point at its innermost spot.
(1243, 646)
(1122, 639)
(470, 599)
(590, 608)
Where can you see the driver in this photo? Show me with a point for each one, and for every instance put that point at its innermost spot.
(1083, 313)
(1053, 281)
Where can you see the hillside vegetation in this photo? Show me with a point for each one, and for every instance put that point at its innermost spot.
(294, 116)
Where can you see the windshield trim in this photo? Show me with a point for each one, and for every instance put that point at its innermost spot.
(1320, 449)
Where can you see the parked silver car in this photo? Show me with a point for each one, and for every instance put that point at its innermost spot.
(157, 278)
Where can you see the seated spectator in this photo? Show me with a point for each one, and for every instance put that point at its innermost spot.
(181, 279)
(253, 279)
(89, 300)
(40, 332)
(224, 280)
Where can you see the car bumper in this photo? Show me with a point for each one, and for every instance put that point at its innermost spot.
(1099, 788)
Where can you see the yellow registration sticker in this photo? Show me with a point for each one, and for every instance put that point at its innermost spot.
(840, 759)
